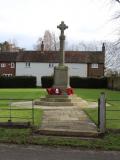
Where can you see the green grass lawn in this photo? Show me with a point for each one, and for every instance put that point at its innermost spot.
(94, 94)
(88, 94)
(22, 115)
(112, 110)
(111, 140)
(22, 93)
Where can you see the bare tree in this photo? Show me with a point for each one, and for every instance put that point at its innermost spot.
(90, 46)
(85, 46)
(50, 41)
(118, 1)
(112, 57)
(9, 46)
(38, 44)
(55, 42)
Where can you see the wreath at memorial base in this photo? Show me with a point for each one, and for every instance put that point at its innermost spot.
(57, 91)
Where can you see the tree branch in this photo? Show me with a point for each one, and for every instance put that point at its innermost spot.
(118, 1)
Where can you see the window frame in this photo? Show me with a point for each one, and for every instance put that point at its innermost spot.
(94, 65)
(7, 75)
(3, 65)
(51, 65)
(12, 65)
(27, 65)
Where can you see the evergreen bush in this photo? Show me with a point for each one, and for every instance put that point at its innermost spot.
(18, 82)
(77, 82)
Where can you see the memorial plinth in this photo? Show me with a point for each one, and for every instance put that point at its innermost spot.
(61, 77)
(59, 93)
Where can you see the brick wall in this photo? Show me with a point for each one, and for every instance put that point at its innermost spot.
(8, 69)
(95, 72)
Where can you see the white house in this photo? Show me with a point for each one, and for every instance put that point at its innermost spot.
(47, 69)
(83, 64)
(41, 63)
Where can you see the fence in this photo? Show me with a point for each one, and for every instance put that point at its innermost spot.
(108, 114)
(102, 113)
(113, 113)
(16, 111)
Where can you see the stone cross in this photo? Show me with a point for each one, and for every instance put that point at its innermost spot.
(62, 27)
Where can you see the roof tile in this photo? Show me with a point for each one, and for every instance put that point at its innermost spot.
(53, 56)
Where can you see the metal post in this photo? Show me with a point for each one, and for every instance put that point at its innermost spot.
(102, 113)
(32, 112)
(10, 114)
(99, 113)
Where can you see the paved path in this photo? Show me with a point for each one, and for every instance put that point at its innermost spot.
(32, 152)
(67, 121)
(64, 120)
(28, 104)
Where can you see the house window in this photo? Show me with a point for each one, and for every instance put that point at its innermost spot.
(3, 65)
(12, 65)
(27, 64)
(51, 65)
(7, 75)
(94, 65)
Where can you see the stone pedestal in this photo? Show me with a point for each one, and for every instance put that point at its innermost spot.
(61, 78)
(61, 100)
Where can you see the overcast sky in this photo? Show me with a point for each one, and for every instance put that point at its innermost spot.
(26, 20)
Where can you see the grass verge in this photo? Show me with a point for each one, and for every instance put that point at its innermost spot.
(112, 108)
(22, 93)
(21, 114)
(111, 141)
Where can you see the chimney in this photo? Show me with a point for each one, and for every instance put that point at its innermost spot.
(42, 47)
(103, 48)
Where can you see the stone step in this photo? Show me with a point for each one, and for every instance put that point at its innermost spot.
(61, 96)
(57, 96)
(62, 132)
(56, 99)
(45, 103)
(60, 99)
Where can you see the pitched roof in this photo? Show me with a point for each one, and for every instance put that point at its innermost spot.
(53, 56)
(8, 57)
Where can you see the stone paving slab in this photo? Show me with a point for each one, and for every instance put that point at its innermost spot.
(28, 104)
(67, 121)
(64, 120)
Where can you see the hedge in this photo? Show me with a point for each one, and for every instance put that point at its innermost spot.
(77, 82)
(47, 81)
(18, 82)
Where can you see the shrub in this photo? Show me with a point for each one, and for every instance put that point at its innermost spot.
(77, 82)
(17, 82)
(47, 81)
